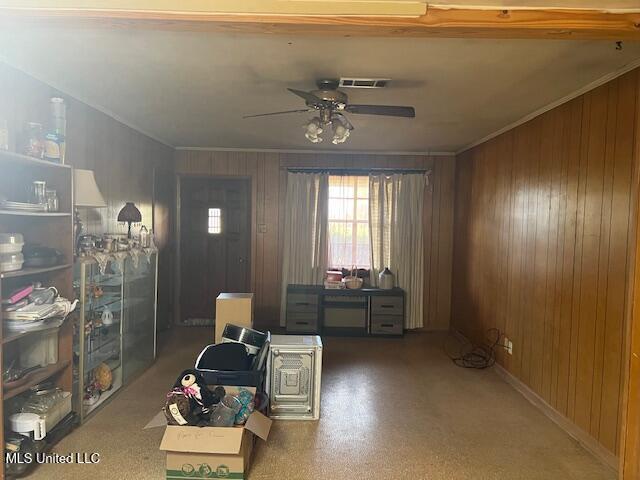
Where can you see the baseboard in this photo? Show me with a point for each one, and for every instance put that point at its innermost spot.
(582, 437)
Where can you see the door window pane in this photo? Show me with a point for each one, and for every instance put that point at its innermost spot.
(214, 226)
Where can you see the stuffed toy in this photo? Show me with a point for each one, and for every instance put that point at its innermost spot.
(177, 410)
(192, 384)
(191, 399)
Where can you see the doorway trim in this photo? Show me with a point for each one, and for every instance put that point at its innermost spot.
(178, 256)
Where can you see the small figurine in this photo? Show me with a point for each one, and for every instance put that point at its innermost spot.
(103, 377)
(97, 291)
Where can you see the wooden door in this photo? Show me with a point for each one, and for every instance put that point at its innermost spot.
(214, 242)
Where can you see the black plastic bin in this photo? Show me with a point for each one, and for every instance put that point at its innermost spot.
(239, 378)
(247, 378)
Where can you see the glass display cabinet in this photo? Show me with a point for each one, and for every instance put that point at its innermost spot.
(115, 337)
(139, 327)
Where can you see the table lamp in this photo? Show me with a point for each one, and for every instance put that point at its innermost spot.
(85, 194)
(129, 214)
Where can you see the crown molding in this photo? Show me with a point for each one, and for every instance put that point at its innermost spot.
(323, 152)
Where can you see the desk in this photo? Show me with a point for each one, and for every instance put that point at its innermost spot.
(368, 311)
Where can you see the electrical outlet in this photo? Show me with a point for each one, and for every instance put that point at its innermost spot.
(508, 345)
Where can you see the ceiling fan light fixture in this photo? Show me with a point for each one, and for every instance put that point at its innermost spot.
(313, 129)
(313, 138)
(340, 132)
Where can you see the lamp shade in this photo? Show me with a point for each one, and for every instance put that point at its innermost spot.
(86, 191)
(129, 213)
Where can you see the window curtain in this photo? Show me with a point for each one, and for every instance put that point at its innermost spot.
(396, 235)
(305, 232)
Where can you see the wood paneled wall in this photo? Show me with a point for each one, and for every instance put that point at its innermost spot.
(630, 438)
(542, 232)
(268, 175)
(123, 159)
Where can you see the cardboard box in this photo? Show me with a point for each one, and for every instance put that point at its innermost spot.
(235, 308)
(211, 452)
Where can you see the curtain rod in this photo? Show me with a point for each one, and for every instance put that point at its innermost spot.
(354, 171)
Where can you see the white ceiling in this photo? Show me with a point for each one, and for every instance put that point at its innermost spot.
(192, 89)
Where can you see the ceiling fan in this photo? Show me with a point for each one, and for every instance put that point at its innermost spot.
(331, 104)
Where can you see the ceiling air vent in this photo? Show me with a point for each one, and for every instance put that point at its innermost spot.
(364, 82)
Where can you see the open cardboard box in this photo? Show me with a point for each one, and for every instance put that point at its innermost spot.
(210, 452)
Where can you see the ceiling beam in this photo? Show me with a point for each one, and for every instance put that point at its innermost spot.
(437, 22)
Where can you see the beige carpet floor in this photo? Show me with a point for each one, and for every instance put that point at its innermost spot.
(391, 409)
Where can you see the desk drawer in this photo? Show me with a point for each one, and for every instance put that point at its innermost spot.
(386, 325)
(301, 322)
(387, 305)
(302, 302)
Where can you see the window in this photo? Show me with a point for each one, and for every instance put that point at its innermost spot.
(349, 222)
(215, 221)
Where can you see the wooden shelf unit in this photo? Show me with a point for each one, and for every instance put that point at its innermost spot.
(30, 271)
(36, 377)
(20, 159)
(48, 229)
(21, 213)
(13, 336)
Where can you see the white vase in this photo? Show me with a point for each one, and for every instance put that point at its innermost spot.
(386, 279)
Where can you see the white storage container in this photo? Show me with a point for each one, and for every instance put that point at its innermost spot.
(10, 262)
(53, 414)
(58, 412)
(294, 370)
(11, 243)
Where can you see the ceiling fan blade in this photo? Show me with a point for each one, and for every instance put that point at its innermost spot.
(300, 110)
(390, 110)
(308, 97)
